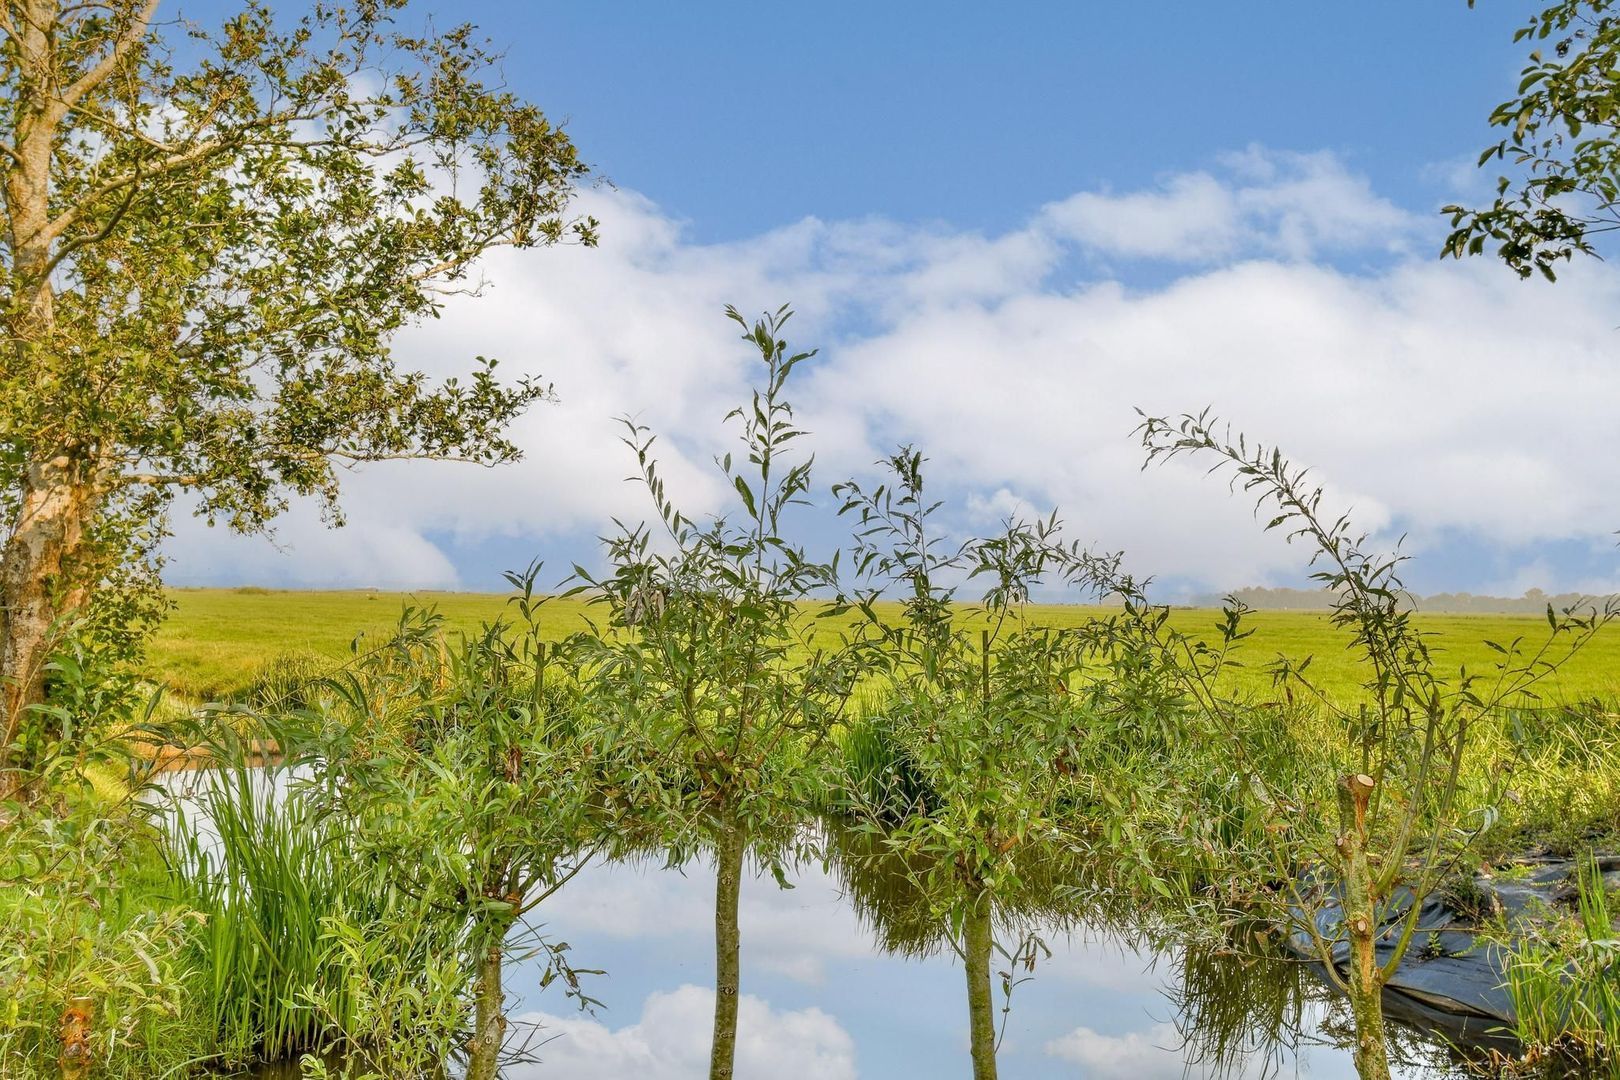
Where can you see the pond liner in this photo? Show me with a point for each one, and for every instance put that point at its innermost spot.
(1451, 978)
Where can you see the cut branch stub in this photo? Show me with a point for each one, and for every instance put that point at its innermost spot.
(1355, 793)
(75, 1059)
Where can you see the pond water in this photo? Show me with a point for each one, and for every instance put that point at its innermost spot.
(821, 1000)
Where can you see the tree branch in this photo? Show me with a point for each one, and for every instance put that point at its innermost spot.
(67, 218)
(364, 459)
(97, 237)
(102, 70)
(163, 480)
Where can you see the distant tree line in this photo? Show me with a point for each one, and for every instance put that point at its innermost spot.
(1533, 602)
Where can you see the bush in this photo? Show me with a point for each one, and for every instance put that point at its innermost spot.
(85, 922)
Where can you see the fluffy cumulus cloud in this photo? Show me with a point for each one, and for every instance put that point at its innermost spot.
(1443, 398)
(384, 551)
(670, 1041)
(1438, 399)
(1260, 203)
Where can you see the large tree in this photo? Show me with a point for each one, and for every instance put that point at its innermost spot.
(1560, 151)
(211, 236)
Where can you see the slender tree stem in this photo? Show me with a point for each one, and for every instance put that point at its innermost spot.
(977, 944)
(1365, 980)
(489, 1021)
(733, 842)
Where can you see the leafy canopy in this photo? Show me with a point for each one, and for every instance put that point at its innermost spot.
(708, 667)
(214, 233)
(1560, 141)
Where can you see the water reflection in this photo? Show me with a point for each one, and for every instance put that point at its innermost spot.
(1239, 1009)
(822, 993)
(1250, 1009)
(849, 973)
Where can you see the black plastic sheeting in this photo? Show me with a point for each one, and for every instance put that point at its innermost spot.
(1450, 979)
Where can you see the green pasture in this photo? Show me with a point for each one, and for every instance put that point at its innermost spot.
(216, 640)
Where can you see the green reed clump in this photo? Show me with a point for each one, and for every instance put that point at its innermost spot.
(879, 772)
(1565, 982)
(288, 680)
(266, 874)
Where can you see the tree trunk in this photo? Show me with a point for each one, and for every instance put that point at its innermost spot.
(1365, 978)
(733, 843)
(489, 1022)
(977, 944)
(35, 587)
(50, 512)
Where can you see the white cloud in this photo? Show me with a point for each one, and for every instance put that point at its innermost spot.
(671, 1041)
(1291, 206)
(1192, 218)
(373, 551)
(1450, 400)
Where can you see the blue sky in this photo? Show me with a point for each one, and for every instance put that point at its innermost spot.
(1007, 227)
(740, 117)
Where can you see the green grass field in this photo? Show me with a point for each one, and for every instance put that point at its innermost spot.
(216, 640)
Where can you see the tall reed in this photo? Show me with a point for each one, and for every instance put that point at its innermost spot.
(1566, 988)
(266, 873)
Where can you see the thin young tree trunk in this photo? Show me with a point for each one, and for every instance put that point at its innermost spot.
(489, 1022)
(977, 941)
(1361, 920)
(733, 843)
(54, 509)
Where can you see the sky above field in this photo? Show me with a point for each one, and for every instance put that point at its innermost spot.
(1007, 227)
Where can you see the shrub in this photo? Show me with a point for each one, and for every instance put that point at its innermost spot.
(85, 923)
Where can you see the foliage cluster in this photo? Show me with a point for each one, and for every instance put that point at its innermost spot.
(1563, 193)
(211, 236)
